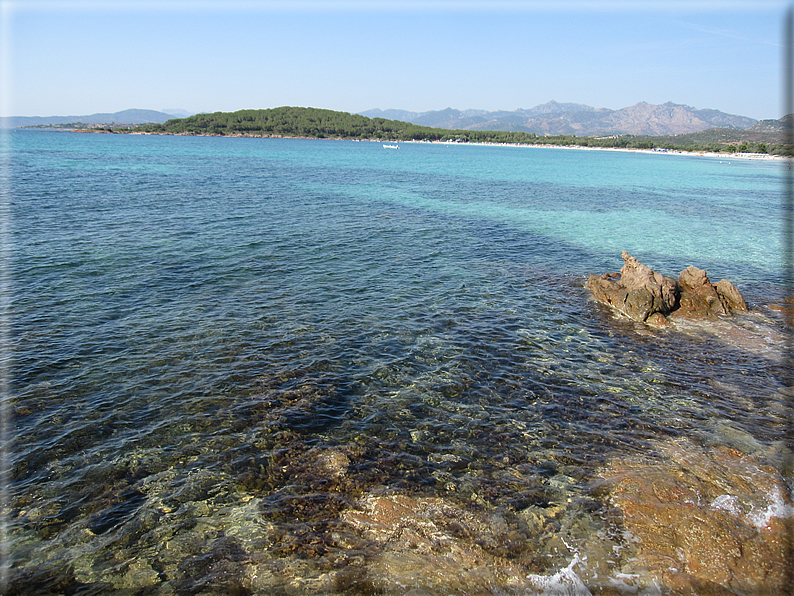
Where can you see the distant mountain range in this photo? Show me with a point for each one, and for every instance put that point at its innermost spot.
(123, 117)
(551, 118)
(554, 118)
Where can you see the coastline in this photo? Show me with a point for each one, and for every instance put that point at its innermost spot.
(763, 156)
(752, 156)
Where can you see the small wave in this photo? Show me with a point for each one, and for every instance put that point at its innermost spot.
(563, 583)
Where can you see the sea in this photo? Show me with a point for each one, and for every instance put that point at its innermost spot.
(221, 351)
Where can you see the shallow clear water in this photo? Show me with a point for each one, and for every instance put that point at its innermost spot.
(194, 320)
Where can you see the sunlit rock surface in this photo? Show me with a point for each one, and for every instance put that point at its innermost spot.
(433, 546)
(699, 297)
(704, 520)
(637, 291)
(650, 297)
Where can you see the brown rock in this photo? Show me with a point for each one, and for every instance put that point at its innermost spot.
(696, 281)
(700, 298)
(436, 546)
(647, 296)
(698, 295)
(707, 521)
(635, 275)
(422, 547)
(334, 462)
(731, 297)
(637, 291)
(657, 319)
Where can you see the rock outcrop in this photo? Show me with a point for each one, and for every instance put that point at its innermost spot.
(699, 297)
(650, 297)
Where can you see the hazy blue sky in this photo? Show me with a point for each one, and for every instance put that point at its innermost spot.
(80, 57)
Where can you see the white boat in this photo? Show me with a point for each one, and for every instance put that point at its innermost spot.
(395, 146)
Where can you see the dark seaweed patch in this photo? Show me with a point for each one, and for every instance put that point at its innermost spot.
(131, 500)
(214, 572)
(52, 581)
(320, 413)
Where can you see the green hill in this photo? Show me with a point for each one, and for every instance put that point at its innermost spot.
(295, 122)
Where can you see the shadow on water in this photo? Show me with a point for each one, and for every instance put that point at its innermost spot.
(327, 408)
(130, 501)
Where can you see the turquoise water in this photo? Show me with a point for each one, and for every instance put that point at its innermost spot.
(194, 319)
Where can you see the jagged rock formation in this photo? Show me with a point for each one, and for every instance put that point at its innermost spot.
(699, 297)
(650, 297)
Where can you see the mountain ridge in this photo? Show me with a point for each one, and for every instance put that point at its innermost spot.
(131, 116)
(549, 119)
(555, 118)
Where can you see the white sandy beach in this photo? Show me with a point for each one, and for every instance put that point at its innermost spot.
(763, 156)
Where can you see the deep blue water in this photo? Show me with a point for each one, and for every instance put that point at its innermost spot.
(191, 316)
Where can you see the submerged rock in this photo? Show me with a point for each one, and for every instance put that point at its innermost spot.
(434, 546)
(650, 297)
(704, 520)
(426, 544)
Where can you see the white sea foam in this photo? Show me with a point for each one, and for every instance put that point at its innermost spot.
(760, 518)
(630, 588)
(729, 503)
(777, 508)
(563, 583)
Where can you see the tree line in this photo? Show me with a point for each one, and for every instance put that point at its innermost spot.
(329, 124)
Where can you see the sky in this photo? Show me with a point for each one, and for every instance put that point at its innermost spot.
(64, 57)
